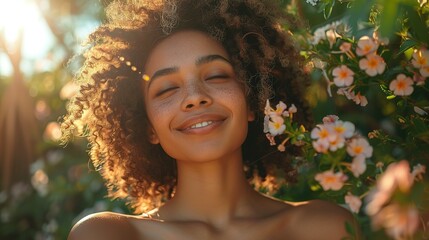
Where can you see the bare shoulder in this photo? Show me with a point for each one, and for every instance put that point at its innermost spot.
(319, 219)
(104, 225)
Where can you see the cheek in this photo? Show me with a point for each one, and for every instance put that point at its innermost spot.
(159, 115)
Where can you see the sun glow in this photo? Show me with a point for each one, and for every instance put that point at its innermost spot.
(23, 17)
(16, 16)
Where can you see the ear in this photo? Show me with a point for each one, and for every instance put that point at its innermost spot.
(250, 115)
(153, 137)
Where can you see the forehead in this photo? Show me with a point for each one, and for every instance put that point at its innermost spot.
(182, 48)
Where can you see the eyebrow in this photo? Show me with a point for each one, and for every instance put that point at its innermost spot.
(200, 61)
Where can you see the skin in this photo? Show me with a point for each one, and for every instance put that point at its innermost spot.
(191, 82)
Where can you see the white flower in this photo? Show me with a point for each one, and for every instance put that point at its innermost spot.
(330, 180)
(345, 129)
(276, 126)
(312, 2)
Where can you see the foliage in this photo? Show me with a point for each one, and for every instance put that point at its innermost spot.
(391, 125)
(369, 65)
(63, 187)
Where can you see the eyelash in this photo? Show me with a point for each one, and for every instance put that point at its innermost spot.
(165, 91)
(217, 76)
(209, 78)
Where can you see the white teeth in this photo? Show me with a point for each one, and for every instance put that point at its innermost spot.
(201, 124)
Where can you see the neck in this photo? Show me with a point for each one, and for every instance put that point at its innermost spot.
(214, 192)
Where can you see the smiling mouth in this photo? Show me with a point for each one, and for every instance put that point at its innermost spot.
(201, 124)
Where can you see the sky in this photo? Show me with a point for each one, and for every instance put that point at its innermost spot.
(38, 39)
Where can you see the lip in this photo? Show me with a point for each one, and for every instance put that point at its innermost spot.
(185, 126)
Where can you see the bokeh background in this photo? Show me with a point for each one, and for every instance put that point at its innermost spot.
(45, 187)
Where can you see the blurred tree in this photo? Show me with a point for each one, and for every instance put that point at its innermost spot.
(20, 133)
(18, 127)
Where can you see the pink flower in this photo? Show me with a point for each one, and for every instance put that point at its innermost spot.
(365, 46)
(336, 142)
(420, 58)
(292, 109)
(332, 36)
(345, 47)
(400, 222)
(322, 132)
(418, 79)
(321, 146)
(279, 111)
(372, 64)
(343, 76)
(360, 99)
(358, 166)
(330, 119)
(271, 139)
(359, 147)
(330, 180)
(418, 172)
(354, 202)
(281, 148)
(280, 108)
(397, 177)
(402, 85)
(346, 92)
(424, 71)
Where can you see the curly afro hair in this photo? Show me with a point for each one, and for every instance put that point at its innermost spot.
(110, 102)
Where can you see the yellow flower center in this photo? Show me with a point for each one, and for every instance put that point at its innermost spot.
(358, 150)
(372, 63)
(401, 85)
(330, 179)
(323, 134)
(343, 74)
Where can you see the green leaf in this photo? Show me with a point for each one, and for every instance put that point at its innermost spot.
(389, 17)
(359, 11)
(407, 44)
(418, 26)
(350, 229)
(327, 11)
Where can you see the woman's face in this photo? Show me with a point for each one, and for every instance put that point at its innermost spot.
(196, 106)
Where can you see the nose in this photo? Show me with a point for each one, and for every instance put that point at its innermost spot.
(196, 96)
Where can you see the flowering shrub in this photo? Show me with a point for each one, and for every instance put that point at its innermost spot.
(373, 62)
(367, 67)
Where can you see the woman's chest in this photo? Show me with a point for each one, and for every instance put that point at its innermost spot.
(272, 229)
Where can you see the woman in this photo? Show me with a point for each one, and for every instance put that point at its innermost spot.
(172, 94)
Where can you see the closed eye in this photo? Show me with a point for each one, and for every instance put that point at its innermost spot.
(217, 77)
(162, 92)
